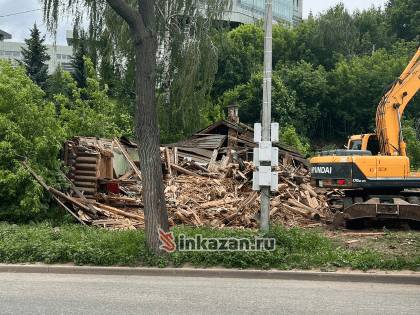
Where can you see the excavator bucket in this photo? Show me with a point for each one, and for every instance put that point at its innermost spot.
(338, 221)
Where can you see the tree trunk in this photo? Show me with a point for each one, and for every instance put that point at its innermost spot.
(147, 136)
(143, 26)
(167, 56)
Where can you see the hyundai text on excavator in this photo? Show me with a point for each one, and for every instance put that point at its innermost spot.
(375, 170)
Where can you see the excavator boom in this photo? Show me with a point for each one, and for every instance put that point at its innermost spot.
(391, 107)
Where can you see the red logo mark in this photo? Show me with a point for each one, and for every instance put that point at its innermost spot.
(167, 240)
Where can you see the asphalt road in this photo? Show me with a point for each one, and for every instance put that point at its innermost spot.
(79, 294)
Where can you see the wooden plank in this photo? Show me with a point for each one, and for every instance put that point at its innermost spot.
(251, 198)
(68, 210)
(303, 212)
(49, 189)
(71, 199)
(203, 152)
(200, 167)
(168, 161)
(212, 160)
(126, 175)
(128, 157)
(217, 203)
(175, 155)
(301, 205)
(183, 170)
(193, 156)
(118, 211)
(309, 189)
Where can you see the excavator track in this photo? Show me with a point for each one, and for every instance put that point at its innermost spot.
(356, 209)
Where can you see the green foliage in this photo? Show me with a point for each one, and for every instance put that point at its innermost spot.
(249, 98)
(79, 74)
(356, 87)
(295, 248)
(411, 137)
(284, 45)
(251, 39)
(338, 32)
(310, 87)
(29, 131)
(233, 66)
(373, 32)
(34, 58)
(404, 18)
(289, 136)
(57, 85)
(190, 108)
(95, 115)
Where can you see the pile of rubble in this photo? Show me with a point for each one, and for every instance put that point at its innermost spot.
(106, 192)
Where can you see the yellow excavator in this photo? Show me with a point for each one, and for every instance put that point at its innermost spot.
(374, 170)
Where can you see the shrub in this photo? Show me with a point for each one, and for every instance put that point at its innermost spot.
(29, 131)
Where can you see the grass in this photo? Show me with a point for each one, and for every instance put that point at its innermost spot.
(394, 245)
(295, 249)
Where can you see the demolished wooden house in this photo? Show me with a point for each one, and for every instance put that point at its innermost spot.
(230, 138)
(207, 177)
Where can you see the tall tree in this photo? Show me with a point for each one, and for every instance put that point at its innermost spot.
(142, 23)
(337, 31)
(188, 63)
(77, 61)
(34, 57)
(404, 18)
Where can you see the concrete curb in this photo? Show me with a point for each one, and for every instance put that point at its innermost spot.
(213, 273)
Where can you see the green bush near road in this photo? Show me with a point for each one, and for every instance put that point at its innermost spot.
(295, 248)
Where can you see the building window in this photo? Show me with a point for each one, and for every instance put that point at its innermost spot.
(16, 53)
(8, 53)
(1, 52)
(67, 66)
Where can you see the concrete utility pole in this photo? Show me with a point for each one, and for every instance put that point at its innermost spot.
(266, 121)
(266, 156)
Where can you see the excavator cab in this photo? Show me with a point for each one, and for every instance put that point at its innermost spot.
(367, 142)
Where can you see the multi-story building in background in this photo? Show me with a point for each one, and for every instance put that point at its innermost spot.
(60, 55)
(284, 11)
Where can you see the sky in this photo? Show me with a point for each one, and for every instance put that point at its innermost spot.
(19, 25)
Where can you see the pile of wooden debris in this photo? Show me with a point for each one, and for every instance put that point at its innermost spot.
(108, 194)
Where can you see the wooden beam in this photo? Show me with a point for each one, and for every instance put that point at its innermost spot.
(168, 161)
(36, 176)
(213, 159)
(118, 211)
(70, 199)
(78, 192)
(68, 210)
(128, 158)
(126, 175)
(183, 170)
(48, 188)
